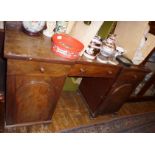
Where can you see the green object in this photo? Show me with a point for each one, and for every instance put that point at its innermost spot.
(106, 28)
(70, 84)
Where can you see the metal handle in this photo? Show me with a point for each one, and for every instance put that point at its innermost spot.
(101, 97)
(135, 76)
(1, 97)
(42, 69)
(82, 70)
(110, 72)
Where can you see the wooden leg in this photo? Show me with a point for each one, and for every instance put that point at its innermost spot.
(1, 112)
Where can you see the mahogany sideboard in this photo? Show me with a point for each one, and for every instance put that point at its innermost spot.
(35, 78)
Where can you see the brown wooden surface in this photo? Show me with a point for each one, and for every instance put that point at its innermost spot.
(35, 76)
(32, 98)
(141, 98)
(116, 98)
(118, 91)
(33, 89)
(91, 70)
(134, 75)
(21, 67)
(95, 90)
(71, 111)
(2, 61)
(121, 90)
(2, 81)
(2, 111)
(1, 42)
(10, 99)
(18, 45)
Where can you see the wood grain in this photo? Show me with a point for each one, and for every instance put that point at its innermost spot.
(2, 111)
(95, 90)
(32, 98)
(21, 67)
(35, 77)
(108, 95)
(71, 111)
(18, 45)
(91, 70)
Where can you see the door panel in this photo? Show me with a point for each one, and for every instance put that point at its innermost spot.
(94, 90)
(116, 98)
(35, 98)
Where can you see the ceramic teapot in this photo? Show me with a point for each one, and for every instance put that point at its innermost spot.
(108, 47)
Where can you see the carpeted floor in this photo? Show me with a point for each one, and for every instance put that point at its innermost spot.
(72, 115)
(139, 123)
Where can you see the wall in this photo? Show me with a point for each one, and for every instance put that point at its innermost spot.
(150, 44)
(1, 25)
(129, 35)
(84, 32)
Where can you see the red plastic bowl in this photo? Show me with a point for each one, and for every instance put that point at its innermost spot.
(66, 46)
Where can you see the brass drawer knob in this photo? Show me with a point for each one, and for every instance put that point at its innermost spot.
(110, 72)
(82, 70)
(135, 76)
(101, 97)
(42, 69)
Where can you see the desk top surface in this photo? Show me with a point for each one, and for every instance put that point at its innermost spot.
(19, 45)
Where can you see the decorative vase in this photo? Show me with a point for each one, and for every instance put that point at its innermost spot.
(50, 28)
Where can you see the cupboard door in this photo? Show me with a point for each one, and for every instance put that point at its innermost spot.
(94, 90)
(116, 98)
(34, 100)
(121, 90)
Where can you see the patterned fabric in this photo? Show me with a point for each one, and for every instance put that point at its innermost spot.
(135, 123)
(139, 123)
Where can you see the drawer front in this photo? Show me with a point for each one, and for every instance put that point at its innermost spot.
(131, 75)
(20, 67)
(94, 70)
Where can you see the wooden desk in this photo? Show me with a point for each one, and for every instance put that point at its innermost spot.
(35, 78)
(2, 79)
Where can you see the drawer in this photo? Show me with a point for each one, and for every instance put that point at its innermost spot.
(94, 70)
(132, 75)
(16, 67)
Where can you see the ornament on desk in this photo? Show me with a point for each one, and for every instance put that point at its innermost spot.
(93, 48)
(108, 51)
(106, 60)
(33, 28)
(50, 28)
(109, 48)
(70, 26)
(61, 26)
